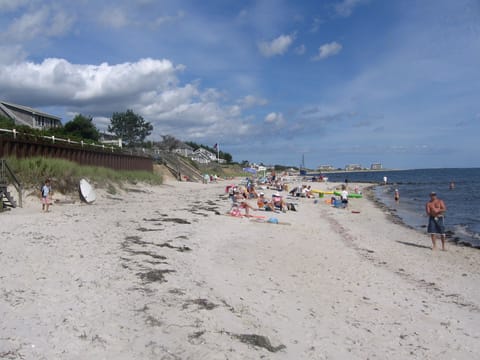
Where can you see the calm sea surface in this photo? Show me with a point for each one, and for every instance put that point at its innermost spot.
(463, 202)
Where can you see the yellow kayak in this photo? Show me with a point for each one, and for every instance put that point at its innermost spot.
(321, 191)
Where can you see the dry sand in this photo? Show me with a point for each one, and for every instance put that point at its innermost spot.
(162, 273)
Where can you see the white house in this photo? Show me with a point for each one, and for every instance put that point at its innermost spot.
(203, 156)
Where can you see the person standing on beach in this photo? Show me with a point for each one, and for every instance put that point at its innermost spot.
(344, 196)
(435, 209)
(397, 195)
(46, 190)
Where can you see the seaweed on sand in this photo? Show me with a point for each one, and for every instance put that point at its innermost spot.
(143, 229)
(258, 341)
(176, 220)
(202, 304)
(182, 248)
(148, 253)
(154, 275)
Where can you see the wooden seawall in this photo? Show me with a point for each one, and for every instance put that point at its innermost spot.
(26, 145)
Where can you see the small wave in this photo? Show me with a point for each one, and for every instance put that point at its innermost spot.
(467, 236)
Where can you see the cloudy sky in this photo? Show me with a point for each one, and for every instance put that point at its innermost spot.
(335, 81)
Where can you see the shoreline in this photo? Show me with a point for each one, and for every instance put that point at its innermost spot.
(162, 272)
(451, 237)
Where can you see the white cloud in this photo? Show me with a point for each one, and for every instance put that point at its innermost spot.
(277, 46)
(41, 22)
(346, 7)
(275, 119)
(149, 87)
(10, 54)
(250, 101)
(327, 50)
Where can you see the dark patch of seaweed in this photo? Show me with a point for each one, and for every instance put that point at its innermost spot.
(201, 303)
(147, 253)
(258, 341)
(143, 229)
(182, 248)
(137, 240)
(176, 220)
(154, 275)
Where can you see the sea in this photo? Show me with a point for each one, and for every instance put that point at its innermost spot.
(462, 219)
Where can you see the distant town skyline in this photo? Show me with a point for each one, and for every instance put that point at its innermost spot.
(340, 81)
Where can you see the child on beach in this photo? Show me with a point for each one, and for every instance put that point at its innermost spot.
(344, 196)
(46, 190)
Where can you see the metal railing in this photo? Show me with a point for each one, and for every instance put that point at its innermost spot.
(6, 173)
(54, 139)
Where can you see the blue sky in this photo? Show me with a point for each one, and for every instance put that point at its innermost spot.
(339, 82)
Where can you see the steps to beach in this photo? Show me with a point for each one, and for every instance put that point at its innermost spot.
(6, 198)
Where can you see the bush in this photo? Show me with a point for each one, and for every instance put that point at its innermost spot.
(66, 175)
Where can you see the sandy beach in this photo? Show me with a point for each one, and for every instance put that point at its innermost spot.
(163, 273)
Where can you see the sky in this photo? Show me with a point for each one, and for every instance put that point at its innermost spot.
(332, 82)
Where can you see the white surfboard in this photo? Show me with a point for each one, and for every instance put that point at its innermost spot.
(87, 193)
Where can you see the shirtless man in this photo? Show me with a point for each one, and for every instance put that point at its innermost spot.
(435, 209)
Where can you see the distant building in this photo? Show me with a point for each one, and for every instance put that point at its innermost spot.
(203, 156)
(184, 150)
(326, 168)
(111, 139)
(24, 115)
(376, 166)
(353, 167)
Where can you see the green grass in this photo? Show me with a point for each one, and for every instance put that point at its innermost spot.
(65, 174)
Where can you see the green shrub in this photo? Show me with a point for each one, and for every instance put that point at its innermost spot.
(66, 175)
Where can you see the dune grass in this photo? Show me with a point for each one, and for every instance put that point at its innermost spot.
(65, 174)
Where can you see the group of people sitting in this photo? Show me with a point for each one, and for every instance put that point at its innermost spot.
(240, 196)
(302, 191)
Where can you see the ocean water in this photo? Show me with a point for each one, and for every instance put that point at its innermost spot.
(462, 218)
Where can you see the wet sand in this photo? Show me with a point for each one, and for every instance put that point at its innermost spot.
(163, 273)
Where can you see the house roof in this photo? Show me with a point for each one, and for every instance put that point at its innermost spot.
(30, 110)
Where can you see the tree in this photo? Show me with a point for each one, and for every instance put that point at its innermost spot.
(6, 123)
(130, 127)
(169, 142)
(226, 156)
(82, 127)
